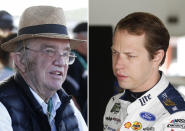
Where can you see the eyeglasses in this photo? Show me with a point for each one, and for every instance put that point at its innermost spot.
(68, 56)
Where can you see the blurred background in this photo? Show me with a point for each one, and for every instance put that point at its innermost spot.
(103, 17)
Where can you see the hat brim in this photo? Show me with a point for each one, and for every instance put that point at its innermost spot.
(11, 45)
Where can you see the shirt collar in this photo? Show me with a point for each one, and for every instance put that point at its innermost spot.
(151, 94)
(55, 99)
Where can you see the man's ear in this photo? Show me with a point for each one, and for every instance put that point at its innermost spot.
(158, 57)
(18, 61)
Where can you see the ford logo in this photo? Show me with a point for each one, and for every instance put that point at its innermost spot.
(147, 116)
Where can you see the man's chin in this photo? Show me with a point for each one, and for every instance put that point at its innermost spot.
(56, 86)
(124, 85)
(54, 89)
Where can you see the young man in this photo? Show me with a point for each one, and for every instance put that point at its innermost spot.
(149, 102)
(33, 99)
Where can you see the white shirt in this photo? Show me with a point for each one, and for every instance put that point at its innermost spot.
(153, 110)
(6, 122)
(5, 73)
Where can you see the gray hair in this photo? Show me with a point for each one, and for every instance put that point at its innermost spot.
(23, 53)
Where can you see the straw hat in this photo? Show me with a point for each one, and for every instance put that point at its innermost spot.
(41, 21)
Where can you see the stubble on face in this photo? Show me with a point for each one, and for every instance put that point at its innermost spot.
(136, 73)
(33, 79)
(30, 66)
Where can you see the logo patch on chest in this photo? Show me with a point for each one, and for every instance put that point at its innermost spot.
(128, 125)
(116, 108)
(147, 116)
(143, 100)
(136, 125)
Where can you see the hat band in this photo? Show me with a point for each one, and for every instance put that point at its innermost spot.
(46, 28)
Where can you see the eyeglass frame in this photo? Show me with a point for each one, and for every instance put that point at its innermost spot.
(73, 56)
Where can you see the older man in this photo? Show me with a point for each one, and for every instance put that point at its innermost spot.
(33, 99)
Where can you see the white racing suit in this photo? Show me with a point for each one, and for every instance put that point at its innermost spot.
(162, 108)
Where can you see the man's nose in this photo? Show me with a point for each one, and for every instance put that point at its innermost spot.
(60, 61)
(119, 62)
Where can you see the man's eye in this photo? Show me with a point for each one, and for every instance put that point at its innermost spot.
(114, 53)
(49, 50)
(131, 56)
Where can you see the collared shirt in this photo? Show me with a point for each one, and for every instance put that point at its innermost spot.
(56, 104)
(6, 122)
(158, 109)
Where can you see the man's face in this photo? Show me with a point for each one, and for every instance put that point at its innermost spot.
(46, 71)
(132, 66)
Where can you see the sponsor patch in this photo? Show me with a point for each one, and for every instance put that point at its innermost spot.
(178, 121)
(136, 125)
(111, 129)
(105, 127)
(117, 120)
(116, 108)
(172, 100)
(108, 118)
(128, 125)
(147, 116)
(149, 129)
(167, 101)
(172, 125)
(143, 100)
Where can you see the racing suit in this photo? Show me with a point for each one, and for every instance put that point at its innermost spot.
(162, 108)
